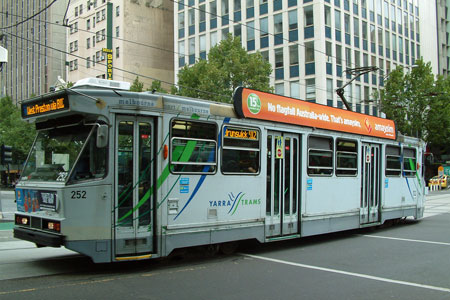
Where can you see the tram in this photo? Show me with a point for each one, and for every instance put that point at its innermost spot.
(119, 175)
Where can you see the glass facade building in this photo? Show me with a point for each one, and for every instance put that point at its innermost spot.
(309, 43)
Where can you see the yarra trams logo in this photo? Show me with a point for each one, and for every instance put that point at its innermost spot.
(234, 202)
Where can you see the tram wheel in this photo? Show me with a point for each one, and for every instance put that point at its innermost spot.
(228, 248)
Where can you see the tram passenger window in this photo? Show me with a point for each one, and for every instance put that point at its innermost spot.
(320, 156)
(346, 158)
(409, 162)
(393, 161)
(193, 147)
(240, 151)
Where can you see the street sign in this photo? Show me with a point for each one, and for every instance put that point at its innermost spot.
(440, 171)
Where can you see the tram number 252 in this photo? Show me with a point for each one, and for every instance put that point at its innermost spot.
(78, 194)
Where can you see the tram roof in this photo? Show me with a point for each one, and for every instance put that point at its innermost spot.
(88, 97)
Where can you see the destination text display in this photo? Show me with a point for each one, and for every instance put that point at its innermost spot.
(46, 106)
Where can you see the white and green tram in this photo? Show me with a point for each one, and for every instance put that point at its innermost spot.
(119, 175)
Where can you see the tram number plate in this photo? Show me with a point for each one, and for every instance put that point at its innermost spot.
(78, 194)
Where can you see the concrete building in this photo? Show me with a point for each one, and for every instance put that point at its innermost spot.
(443, 25)
(34, 46)
(120, 40)
(311, 43)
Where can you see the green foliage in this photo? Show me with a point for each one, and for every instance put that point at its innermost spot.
(228, 66)
(418, 102)
(69, 84)
(156, 86)
(14, 131)
(137, 86)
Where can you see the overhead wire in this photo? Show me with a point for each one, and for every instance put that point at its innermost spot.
(116, 68)
(167, 50)
(30, 17)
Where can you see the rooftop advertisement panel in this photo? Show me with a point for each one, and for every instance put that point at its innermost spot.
(265, 106)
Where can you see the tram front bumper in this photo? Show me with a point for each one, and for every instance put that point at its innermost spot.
(38, 237)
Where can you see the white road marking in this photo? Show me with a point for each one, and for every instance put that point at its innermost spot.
(405, 240)
(364, 276)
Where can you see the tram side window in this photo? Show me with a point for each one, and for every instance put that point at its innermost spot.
(346, 157)
(92, 162)
(193, 147)
(240, 150)
(320, 156)
(409, 162)
(393, 161)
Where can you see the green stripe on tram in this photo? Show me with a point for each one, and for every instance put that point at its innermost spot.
(181, 154)
(413, 167)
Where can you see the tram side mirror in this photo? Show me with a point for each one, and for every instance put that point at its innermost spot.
(102, 136)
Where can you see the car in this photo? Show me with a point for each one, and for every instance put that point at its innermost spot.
(440, 180)
(444, 181)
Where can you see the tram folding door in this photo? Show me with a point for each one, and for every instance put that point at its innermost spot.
(370, 181)
(133, 207)
(282, 186)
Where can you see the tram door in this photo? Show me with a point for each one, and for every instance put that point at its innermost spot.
(370, 181)
(133, 207)
(282, 200)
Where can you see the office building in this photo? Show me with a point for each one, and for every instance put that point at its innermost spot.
(311, 43)
(121, 40)
(34, 35)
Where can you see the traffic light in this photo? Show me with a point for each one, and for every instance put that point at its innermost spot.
(6, 154)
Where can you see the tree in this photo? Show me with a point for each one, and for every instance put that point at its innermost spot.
(137, 86)
(156, 86)
(418, 102)
(15, 132)
(228, 66)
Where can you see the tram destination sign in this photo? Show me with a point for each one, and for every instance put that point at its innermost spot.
(44, 106)
(265, 106)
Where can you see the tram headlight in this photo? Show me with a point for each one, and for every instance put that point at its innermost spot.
(51, 225)
(22, 220)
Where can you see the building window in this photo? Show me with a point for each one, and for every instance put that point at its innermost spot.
(279, 70)
(88, 62)
(295, 89)
(311, 90)
(251, 36)
(293, 25)
(117, 10)
(264, 32)
(279, 88)
(309, 22)
(117, 52)
(88, 24)
(278, 28)
(293, 61)
(213, 39)
(117, 31)
(88, 43)
(202, 40)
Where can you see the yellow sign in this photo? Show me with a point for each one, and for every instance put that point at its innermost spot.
(245, 134)
(441, 170)
(279, 147)
(109, 63)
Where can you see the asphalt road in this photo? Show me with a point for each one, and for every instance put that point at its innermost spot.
(410, 260)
